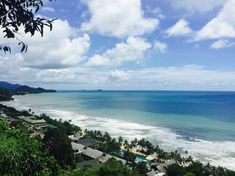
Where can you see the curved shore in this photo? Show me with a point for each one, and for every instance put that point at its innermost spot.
(215, 152)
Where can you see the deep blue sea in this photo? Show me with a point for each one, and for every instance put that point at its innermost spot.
(202, 123)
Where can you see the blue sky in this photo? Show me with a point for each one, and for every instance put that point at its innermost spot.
(130, 44)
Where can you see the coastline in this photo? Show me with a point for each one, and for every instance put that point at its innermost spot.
(166, 139)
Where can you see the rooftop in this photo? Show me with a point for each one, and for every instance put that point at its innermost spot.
(161, 167)
(92, 153)
(32, 120)
(106, 157)
(76, 146)
(87, 142)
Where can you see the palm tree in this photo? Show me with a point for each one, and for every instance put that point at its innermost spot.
(120, 140)
(126, 144)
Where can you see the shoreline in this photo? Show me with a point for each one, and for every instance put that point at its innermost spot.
(134, 129)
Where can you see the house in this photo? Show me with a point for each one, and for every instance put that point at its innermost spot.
(77, 148)
(32, 120)
(75, 137)
(104, 158)
(88, 142)
(155, 173)
(151, 173)
(92, 153)
(162, 167)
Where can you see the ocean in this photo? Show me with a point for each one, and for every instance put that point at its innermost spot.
(203, 123)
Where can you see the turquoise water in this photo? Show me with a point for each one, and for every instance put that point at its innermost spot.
(201, 122)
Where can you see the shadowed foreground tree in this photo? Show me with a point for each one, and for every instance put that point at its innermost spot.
(58, 145)
(18, 17)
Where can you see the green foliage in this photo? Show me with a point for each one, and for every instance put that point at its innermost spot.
(129, 156)
(21, 13)
(141, 168)
(105, 142)
(21, 154)
(175, 170)
(116, 168)
(196, 168)
(5, 95)
(12, 112)
(111, 168)
(65, 127)
(58, 144)
(189, 174)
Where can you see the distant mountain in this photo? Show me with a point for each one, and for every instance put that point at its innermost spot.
(9, 86)
(31, 90)
(22, 89)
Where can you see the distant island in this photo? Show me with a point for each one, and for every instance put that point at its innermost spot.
(7, 90)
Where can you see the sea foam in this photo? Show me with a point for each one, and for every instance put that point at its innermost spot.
(215, 152)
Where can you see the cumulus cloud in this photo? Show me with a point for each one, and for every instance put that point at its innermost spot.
(133, 50)
(197, 5)
(56, 49)
(160, 46)
(181, 28)
(189, 77)
(222, 26)
(120, 18)
(222, 44)
(119, 75)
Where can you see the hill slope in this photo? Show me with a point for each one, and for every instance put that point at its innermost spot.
(8, 89)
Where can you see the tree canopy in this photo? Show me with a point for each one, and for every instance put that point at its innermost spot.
(16, 15)
(22, 154)
(58, 145)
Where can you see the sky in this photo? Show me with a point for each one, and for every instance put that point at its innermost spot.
(129, 45)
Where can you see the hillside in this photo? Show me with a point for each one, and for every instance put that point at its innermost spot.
(8, 89)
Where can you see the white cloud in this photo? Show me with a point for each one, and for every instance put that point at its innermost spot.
(181, 28)
(160, 46)
(56, 49)
(48, 9)
(133, 50)
(189, 77)
(197, 5)
(98, 60)
(222, 43)
(222, 26)
(157, 12)
(120, 18)
(118, 75)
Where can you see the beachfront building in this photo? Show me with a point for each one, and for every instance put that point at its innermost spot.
(91, 153)
(155, 173)
(34, 121)
(77, 148)
(75, 138)
(104, 158)
(162, 167)
(88, 142)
